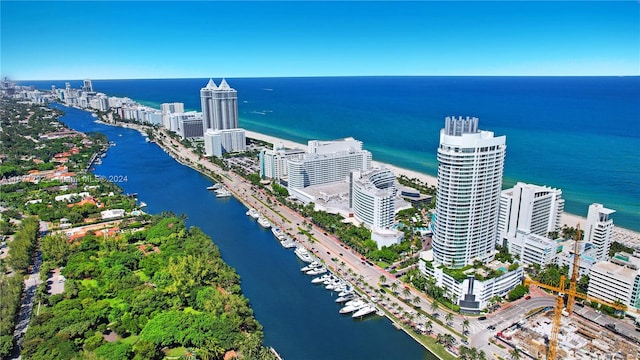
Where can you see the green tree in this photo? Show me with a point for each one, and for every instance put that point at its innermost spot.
(434, 306)
(55, 248)
(394, 286)
(448, 318)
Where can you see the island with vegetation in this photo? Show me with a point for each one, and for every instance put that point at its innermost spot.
(114, 282)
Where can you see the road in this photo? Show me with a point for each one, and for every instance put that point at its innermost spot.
(341, 259)
(31, 284)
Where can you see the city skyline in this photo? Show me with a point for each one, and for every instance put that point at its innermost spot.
(130, 40)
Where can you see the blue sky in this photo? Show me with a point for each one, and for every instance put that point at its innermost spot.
(163, 39)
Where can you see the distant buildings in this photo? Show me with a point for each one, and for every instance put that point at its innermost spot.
(167, 110)
(598, 230)
(470, 168)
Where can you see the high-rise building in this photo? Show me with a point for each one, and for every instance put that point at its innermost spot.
(167, 110)
(327, 162)
(598, 230)
(87, 87)
(219, 106)
(616, 280)
(218, 142)
(372, 197)
(530, 209)
(470, 168)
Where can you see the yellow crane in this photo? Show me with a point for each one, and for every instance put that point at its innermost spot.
(572, 295)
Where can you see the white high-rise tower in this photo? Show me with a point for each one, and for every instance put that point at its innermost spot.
(470, 167)
(598, 230)
(219, 106)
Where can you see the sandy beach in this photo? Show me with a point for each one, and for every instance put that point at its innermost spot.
(623, 235)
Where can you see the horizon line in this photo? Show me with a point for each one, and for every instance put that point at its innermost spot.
(312, 76)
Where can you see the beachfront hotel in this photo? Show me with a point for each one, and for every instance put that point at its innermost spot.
(170, 108)
(218, 142)
(273, 163)
(470, 168)
(219, 106)
(598, 230)
(326, 162)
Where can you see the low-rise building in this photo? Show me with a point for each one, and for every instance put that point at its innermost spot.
(616, 280)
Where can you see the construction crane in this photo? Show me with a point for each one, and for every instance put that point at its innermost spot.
(572, 295)
(555, 328)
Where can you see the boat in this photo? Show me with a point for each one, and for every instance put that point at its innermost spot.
(303, 254)
(347, 290)
(364, 311)
(277, 232)
(215, 186)
(352, 306)
(222, 192)
(142, 204)
(320, 279)
(253, 213)
(264, 222)
(317, 271)
(333, 285)
(311, 266)
(288, 243)
(347, 297)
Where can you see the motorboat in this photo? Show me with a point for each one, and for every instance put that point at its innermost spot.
(320, 279)
(346, 291)
(264, 222)
(288, 243)
(364, 311)
(303, 254)
(222, 192)
(311, 266)
(352, 306)
(347, 297)
(333, 285)
(317, 271)
(277, 232)
(253, 213)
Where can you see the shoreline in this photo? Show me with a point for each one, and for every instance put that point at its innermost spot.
(569, 219)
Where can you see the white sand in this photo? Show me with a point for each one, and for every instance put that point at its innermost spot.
(568, 219)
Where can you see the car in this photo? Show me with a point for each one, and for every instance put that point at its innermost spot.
(482, 318)
(491, 327)
(464, 341)
(527, 297)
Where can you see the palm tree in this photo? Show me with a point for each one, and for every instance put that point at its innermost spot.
(429, 325)
(410, 317)
(406, 292)
(382, 279)
(440, 338)
(514, 354)
(449, 317)
(394, 287)
(416, 301)
(448, 339)
(434, 306)
(465, 325)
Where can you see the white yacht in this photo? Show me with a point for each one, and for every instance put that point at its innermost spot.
(288, 243)
(346, 291)
(347, 297)
(311, 266)
(253, 213)
(277, 232)
(264, 222)
(317, 271)
(222, 192)
(320, 279)
(333, 285)
(364, 311)
(303, 254)
(352, 306)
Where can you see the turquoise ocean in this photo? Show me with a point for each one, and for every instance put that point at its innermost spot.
(579, 134)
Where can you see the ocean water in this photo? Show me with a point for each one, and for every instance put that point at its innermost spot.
(579, 134)
(300, 320)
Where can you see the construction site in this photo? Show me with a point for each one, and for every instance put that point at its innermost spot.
(560, 333)
(578, 338)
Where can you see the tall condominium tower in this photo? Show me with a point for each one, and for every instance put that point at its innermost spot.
(87, 87)
(470, 167)
(598, 230)
(219, 106)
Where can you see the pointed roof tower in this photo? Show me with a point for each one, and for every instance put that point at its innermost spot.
(211, 85)
(224, 85)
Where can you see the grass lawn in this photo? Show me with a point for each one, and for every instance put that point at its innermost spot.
(382, 264)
